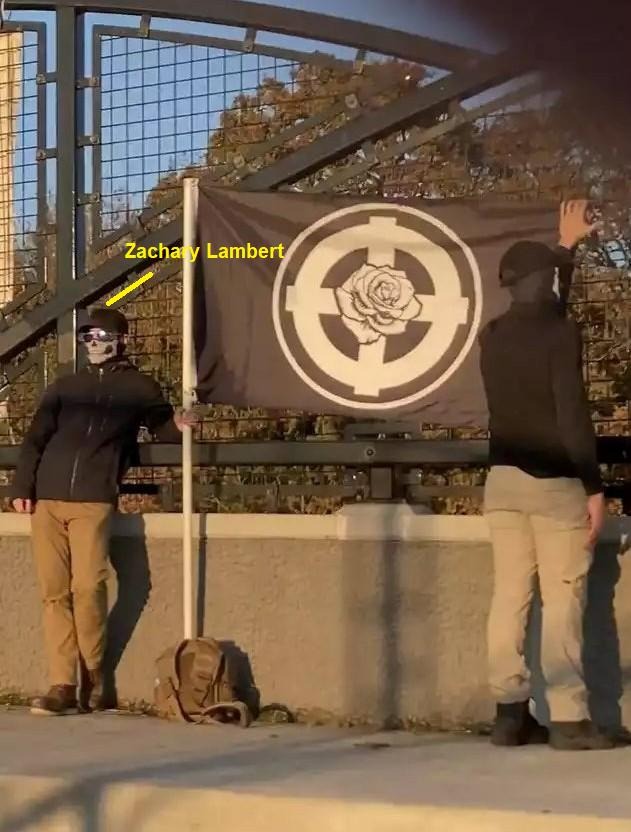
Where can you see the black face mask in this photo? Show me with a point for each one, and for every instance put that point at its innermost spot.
(539, 287)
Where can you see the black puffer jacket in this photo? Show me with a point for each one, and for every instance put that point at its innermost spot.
(84, 434)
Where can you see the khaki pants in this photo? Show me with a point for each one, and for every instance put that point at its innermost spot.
(70, 544)
(538, 527)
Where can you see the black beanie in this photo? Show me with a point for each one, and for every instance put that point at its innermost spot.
(524, 258)
(111, 320)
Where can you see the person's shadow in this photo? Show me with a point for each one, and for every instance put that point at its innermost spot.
(601, 651)
(239, 661)
(601, 646)
(243, 677)
(133, 576)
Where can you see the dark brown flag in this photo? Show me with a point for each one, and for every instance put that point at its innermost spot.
(373, 311)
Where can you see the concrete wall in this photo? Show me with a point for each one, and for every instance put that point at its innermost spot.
(392, 625)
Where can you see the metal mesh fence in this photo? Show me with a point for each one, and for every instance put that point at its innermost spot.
(166, 107)
(160, 103)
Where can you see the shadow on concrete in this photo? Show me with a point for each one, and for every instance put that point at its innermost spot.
(239, 660)
(130, 562)
(390, 688)
(243, 676)
(201, 574)
(601, 649)
(85, 798)
(603, 672)
(533, 657)
(376, 599)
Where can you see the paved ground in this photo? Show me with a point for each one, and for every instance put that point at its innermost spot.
(122, 773)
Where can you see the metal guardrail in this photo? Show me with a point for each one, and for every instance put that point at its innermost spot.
(368, 469)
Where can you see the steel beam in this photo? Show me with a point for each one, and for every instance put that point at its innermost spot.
(9, 374)
(138, 224)
(278, 453)
(94, 210)
(354, 453)
(376, 123)
(419, 136)
(68, 59)
(348, 105)
(82, 292)
(279, 19)
(409, 453)
(187, 39)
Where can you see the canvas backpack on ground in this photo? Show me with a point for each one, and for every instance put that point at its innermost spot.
(195, 683)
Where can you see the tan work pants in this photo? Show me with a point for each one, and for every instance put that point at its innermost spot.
(71, 548)
(539, 527)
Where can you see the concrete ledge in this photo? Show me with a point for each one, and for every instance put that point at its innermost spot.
(357, 522)
(219, 526)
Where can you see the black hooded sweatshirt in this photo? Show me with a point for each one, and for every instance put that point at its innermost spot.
(531, 361)
(83, 436)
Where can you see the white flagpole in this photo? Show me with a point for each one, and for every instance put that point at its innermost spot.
(189, 381)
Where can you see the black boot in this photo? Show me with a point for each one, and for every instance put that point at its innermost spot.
(514, 725)
(59, 701)
(579, 736)
(96, 687)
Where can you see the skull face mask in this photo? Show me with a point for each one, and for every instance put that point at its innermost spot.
(101, 345)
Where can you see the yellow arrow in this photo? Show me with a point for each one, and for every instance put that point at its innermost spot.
(130, 288)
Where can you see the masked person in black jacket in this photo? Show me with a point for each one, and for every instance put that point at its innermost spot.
(544, 497)
(79, 445)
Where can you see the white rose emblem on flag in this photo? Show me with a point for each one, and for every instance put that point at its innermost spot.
(376, 301)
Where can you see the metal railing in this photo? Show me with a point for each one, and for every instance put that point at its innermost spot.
(360, 467)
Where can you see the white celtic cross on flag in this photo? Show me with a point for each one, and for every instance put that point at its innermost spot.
(445, 310)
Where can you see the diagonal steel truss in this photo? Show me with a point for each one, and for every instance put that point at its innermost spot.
(373, 124)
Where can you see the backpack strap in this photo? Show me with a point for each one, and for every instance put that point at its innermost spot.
(174, 682)
(173, 699)
(208, 667)
(226, 712)
(277, 710)
(208, 670)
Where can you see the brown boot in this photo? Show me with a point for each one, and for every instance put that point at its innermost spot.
(59, 701)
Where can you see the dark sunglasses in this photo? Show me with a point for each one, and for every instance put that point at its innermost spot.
(100, 335)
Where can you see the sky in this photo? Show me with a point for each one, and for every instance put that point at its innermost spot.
(419, 16)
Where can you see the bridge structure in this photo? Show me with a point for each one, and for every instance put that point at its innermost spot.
(106, 106)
